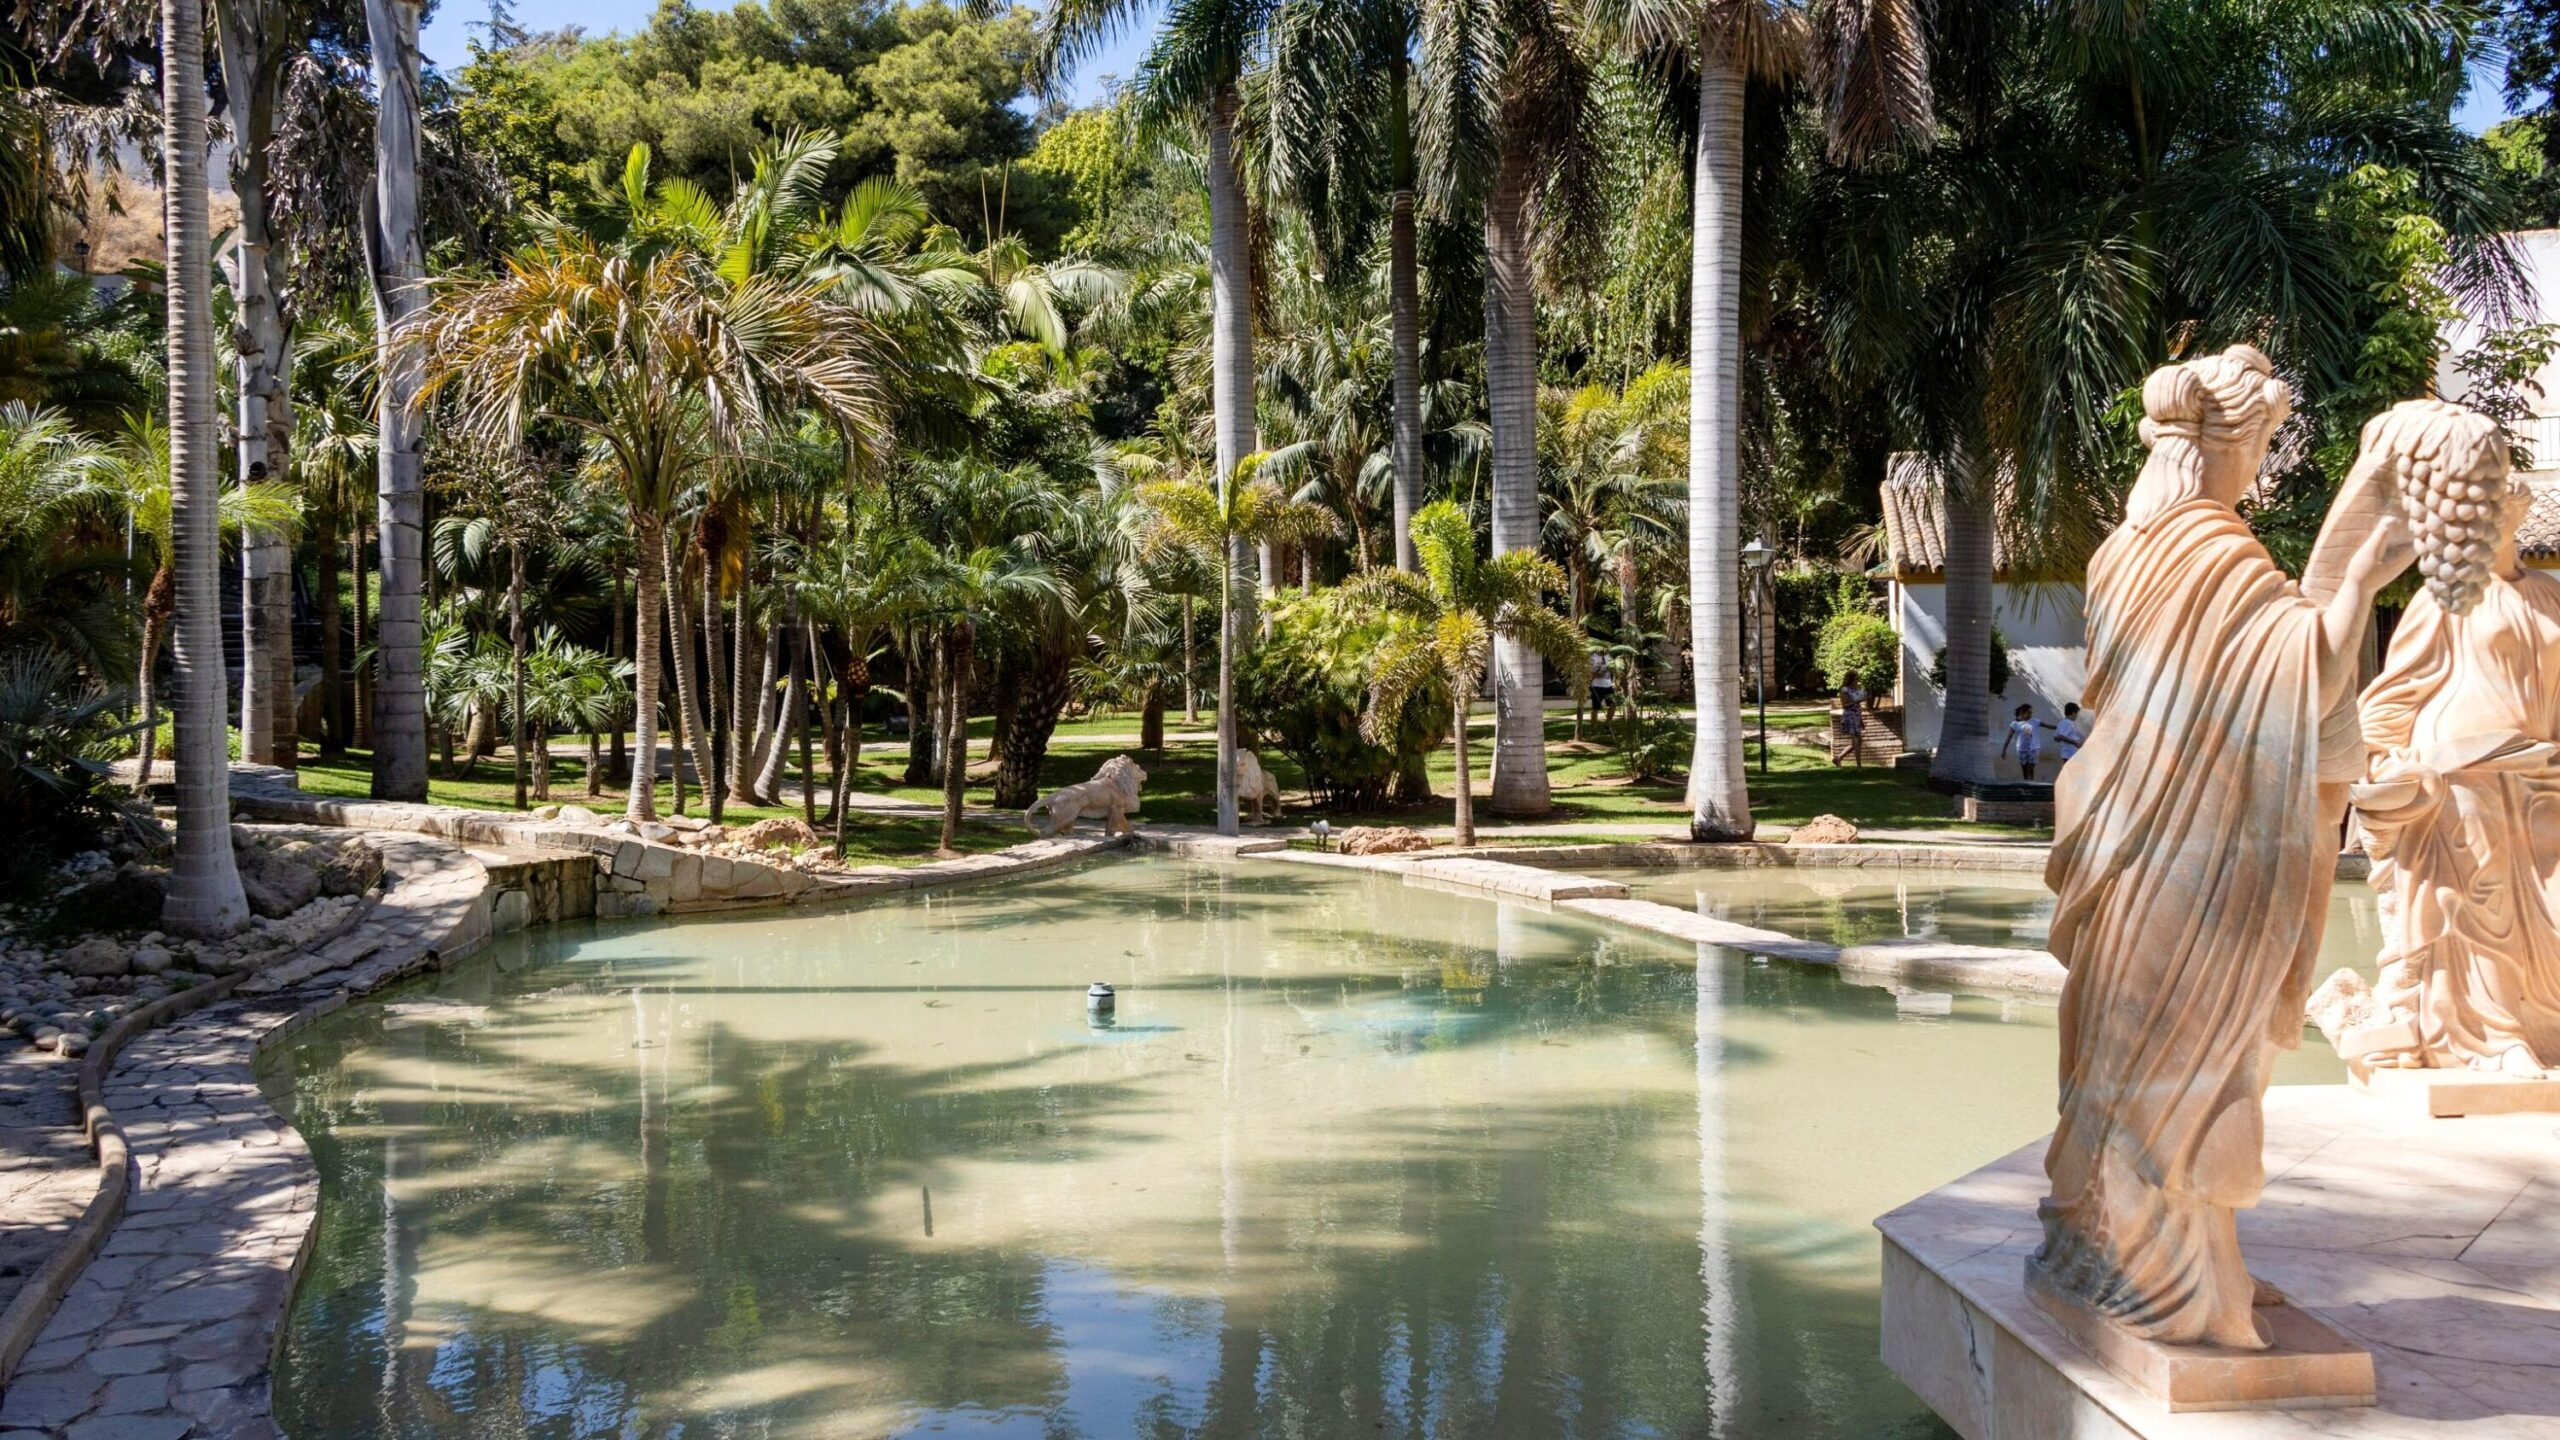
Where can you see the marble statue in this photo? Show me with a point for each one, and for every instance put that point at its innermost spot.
(1111, 797)
(2462, 810)
(1256, 787)
(2193, 851)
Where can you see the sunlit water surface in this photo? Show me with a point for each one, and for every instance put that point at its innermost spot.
(1857, 905)
(1356, 1159)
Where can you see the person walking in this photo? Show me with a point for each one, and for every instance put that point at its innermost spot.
(1853, 724)
(1604, 687)
(2023, 740)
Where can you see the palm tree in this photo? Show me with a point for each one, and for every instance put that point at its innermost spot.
(204, 885)
(1216, 525)
(970, 596)
(1870, 67)
(1195, 69)
(1509, 117)
(1445, 618)
(139, 470)
(399, 292)
(1341, 138)
(662, 361)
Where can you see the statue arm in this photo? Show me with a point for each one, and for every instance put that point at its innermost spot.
(2363, 546)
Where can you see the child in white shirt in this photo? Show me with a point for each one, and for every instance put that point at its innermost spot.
(2022, 738)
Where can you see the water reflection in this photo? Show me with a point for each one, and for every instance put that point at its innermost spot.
(1354, 1159)
(1855, 906)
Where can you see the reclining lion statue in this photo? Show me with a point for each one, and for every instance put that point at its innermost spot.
(1255, 787)
(1111, 797)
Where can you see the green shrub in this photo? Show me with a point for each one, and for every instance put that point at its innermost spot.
(1301, 691)
(56, 732)
(1861, 647)
(1999, 665)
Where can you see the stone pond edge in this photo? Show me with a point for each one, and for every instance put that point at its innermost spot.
(308, 979)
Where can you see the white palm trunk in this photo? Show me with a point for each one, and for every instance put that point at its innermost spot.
(1965, 744)
(1231, 394)
(399, 281)
(1511, 391)
(1404, 292)
(647, 615)
(204, 883)
(265, 425)
(1719, 800)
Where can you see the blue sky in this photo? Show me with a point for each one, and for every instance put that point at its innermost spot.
(448, 32)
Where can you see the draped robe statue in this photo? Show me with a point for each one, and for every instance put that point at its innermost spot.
(2193, 854)
(2463, 815)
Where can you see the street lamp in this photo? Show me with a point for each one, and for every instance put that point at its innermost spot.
(1755, 563)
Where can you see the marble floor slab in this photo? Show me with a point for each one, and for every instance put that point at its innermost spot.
(2436, 1243)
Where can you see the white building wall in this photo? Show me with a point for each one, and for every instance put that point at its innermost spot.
(2048, 655)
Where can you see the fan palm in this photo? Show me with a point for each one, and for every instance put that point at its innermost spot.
(1444, 620)
(662, 361)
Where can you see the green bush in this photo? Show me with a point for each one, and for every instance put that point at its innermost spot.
(1301, 691)
(56, 732)
(1858, 646)
(1999, 665)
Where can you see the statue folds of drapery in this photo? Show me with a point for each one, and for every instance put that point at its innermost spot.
(2462, 813)
(2193, 851)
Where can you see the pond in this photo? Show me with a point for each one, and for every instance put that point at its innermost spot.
(1856, 905)
(1353, 1159)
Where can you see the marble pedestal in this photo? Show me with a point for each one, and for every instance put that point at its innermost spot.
(2450, 1094)
(2435, 1244)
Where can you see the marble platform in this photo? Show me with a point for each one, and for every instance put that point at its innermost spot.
(2435, 1243)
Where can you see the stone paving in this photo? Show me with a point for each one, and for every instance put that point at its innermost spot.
(171, 1331)
(46, 1171)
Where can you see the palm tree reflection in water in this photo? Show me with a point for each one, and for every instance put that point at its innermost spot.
(1360, 1159)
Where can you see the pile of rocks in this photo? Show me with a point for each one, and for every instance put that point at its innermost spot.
(1383, 840)
(302, 888)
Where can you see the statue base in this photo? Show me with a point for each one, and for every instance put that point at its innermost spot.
(2434, 1247)
(2306, 1365)
(2446, 1094)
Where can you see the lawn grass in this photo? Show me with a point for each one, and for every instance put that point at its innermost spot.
(872, 837)
(1589, 787)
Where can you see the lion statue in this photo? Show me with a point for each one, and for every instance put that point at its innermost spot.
(1111, 797)
(1256, 787)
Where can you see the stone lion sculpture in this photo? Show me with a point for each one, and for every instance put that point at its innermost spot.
(1111, 797)
(1256, 787)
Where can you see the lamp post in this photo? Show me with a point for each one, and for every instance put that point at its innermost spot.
(1755, 563)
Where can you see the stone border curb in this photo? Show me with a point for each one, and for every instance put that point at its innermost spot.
(168, 1313)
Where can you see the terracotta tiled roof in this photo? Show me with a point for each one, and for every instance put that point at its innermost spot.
(1915, 518)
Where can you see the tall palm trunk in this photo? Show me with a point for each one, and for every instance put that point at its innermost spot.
(647, 614)
(249, 74)
(159, 603)
(1404, 291)
(955, 745)
(1965, 746)
(1466, 823)
(1511, 391)
(1719, 801)
(618, 763)
(360, 706)
(746, 704)
(399, 277)
(333, 677)
(777, 751)
(1190, 669)
(922, 740)
(515, 673)
(1231, 395)
(204, 884)
(688, 711)
(720, 700)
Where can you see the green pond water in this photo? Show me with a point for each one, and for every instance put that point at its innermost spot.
(1857, 905)
(1355, 1159)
